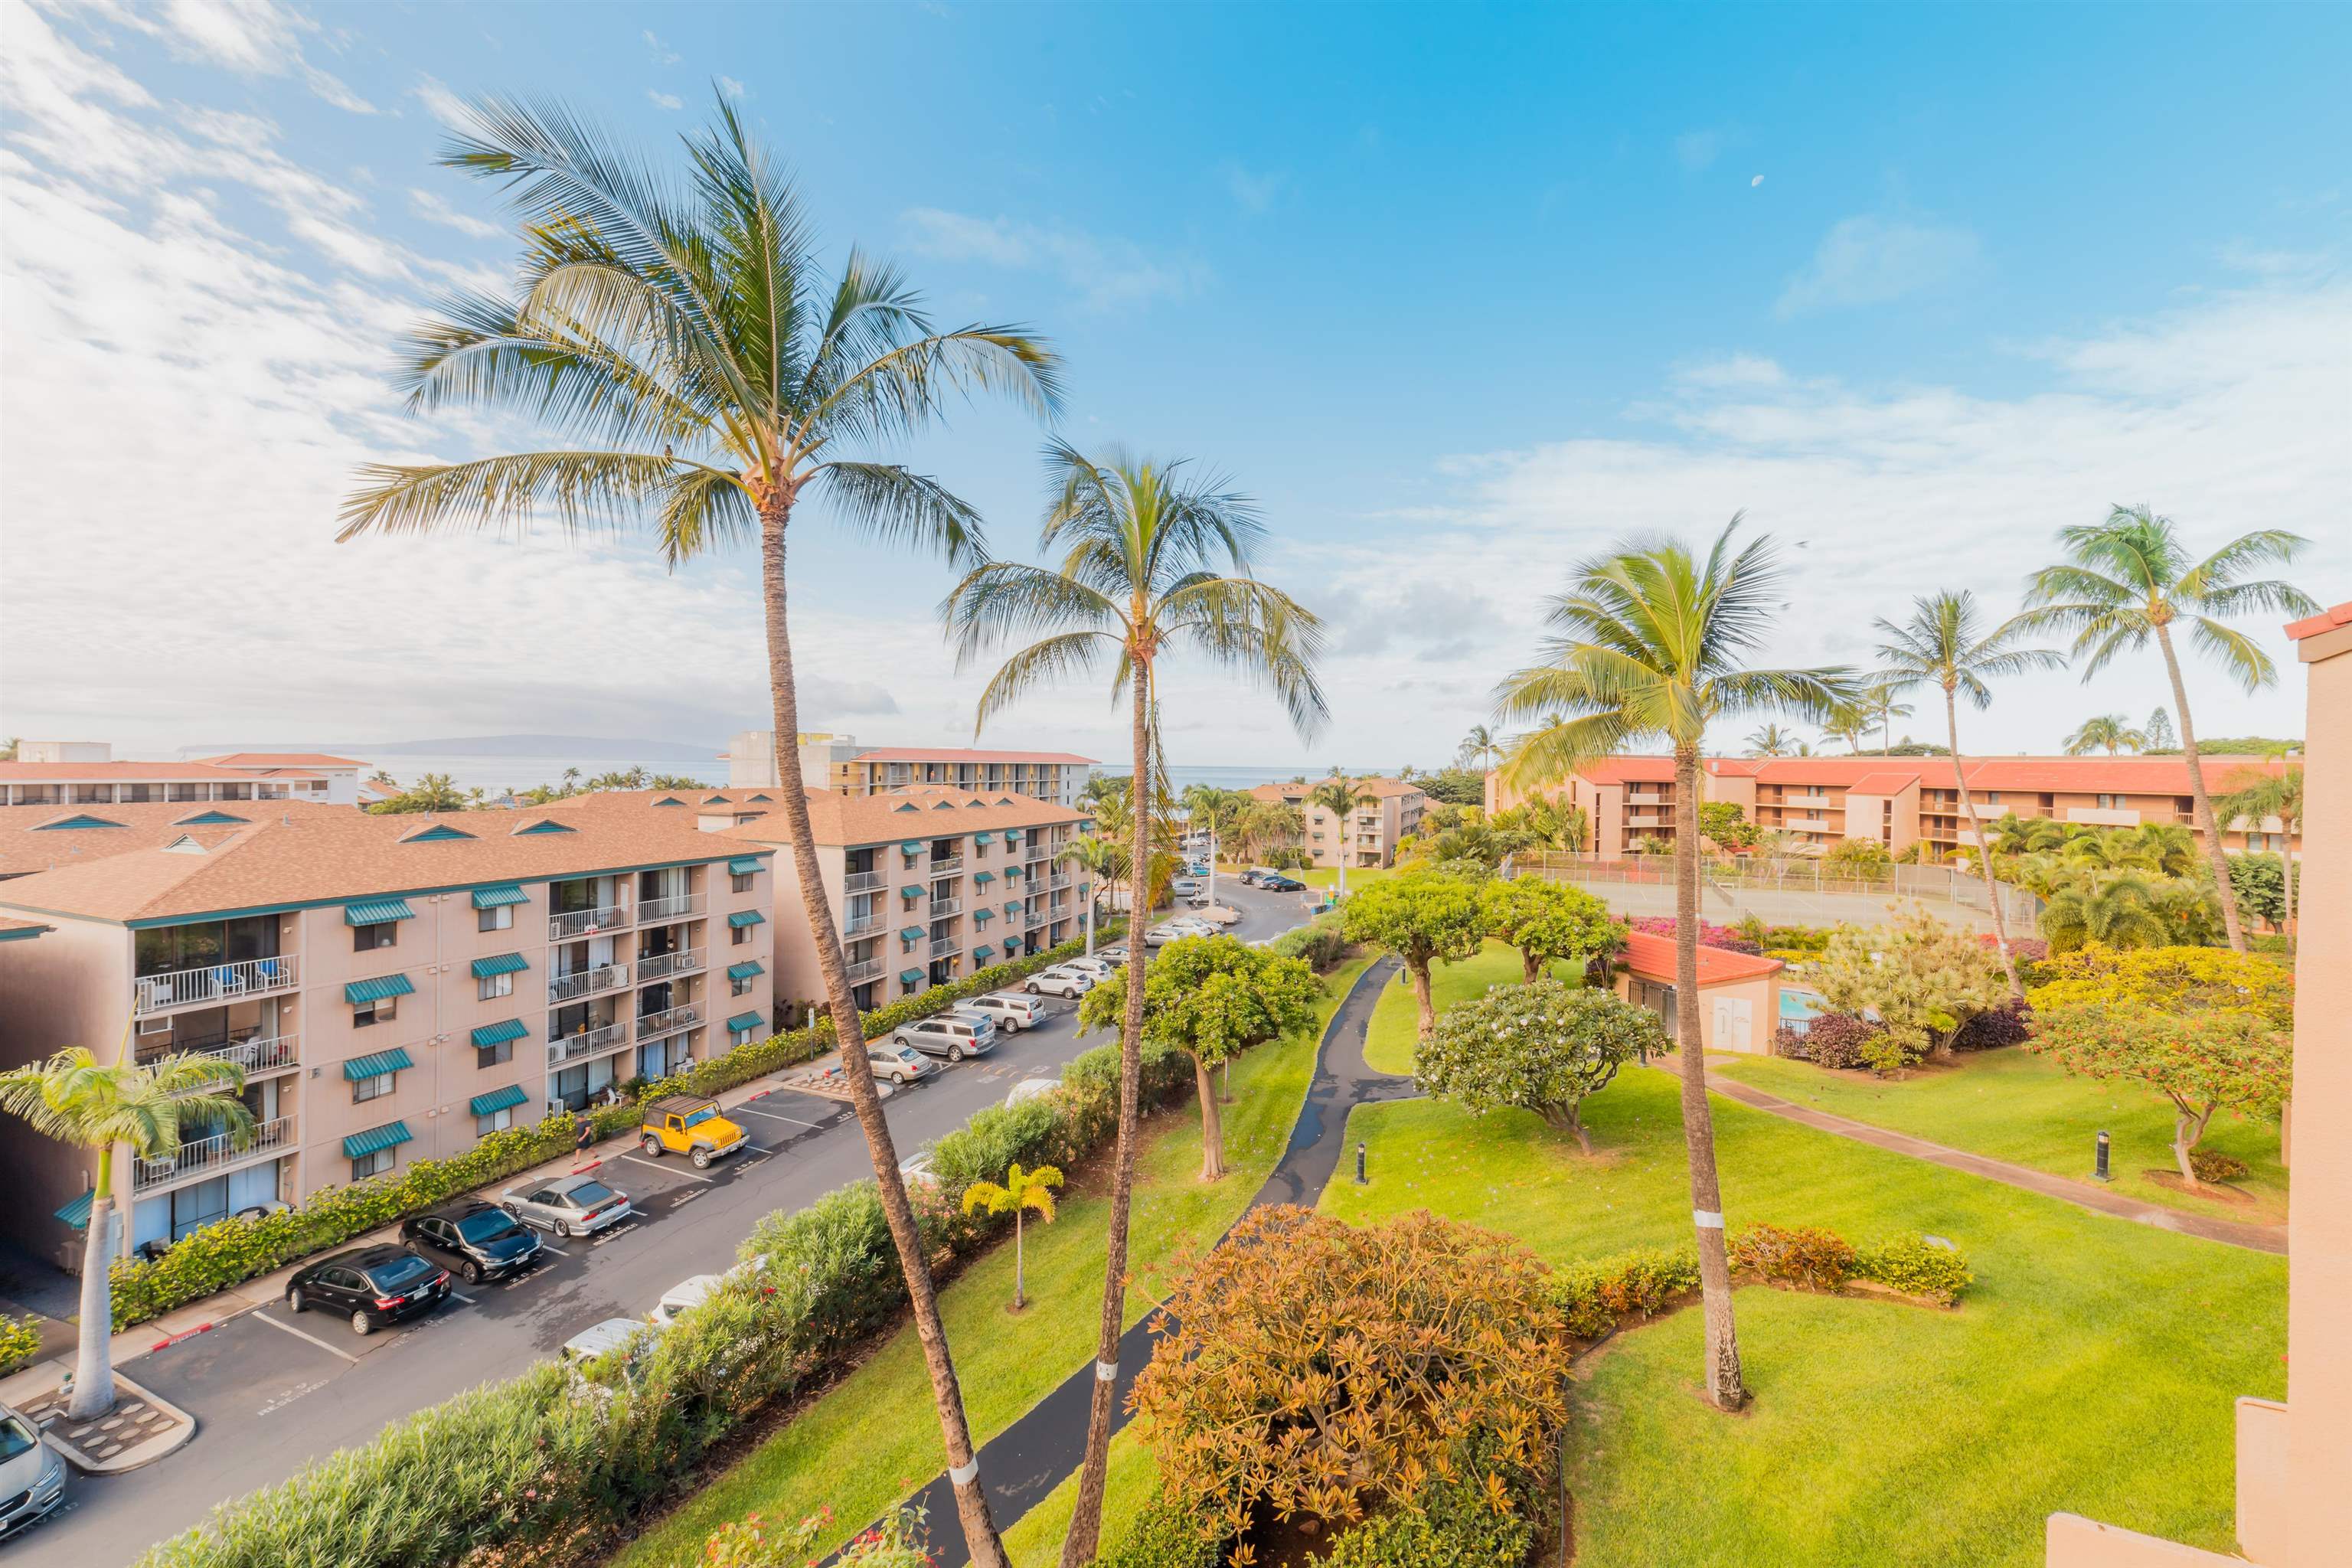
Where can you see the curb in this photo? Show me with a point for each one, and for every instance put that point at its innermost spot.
(183, 1429)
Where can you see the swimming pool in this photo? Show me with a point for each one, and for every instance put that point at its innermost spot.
(1799, 1005)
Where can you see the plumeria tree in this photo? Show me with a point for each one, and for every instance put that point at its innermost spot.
(1548, 921)
(1424, 917)
(1544, 1047)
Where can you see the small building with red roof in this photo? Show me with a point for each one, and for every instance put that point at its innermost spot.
(1738, 993)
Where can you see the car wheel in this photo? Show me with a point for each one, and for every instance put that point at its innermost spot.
(701, 1158)
(1034, 989)
(294, 1303)
(472, 1273)
(652, 1146)
(564, 1228)
(955, 1053)
(363, 1324)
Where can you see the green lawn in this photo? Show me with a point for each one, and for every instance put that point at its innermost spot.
(2016, 1106)
(2091, 1367)
(875, 1438)
(1395, 1028)
(1358, 876)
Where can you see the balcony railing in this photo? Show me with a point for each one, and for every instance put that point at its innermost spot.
(1814, 801)
(865, 881)
(668, 1019)
(586, 1043)
(662, 963)
(586, 982)
(947, 867)
(871, 970)
(946, 946)
(1807, 823)
(579, 922)
(217, 1153)
(653, 912)
(214, 982)
(942, 908)
(1059, 879)
(255, 1055)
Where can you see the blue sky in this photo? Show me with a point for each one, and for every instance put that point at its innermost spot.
(1460, 293)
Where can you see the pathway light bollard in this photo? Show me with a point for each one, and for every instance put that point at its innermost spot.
(1359, 1165)
(2101, 1171)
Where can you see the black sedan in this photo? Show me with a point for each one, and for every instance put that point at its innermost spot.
(479, 1240)
(373, 1285)
(1282, 884)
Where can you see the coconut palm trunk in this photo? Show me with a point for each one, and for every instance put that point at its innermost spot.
(964, 1469)
(2214, 853)
(1984, 850)
(93, 1389)
(1724, 1385)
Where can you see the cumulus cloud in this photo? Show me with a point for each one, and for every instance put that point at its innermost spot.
(1108, 273)
(1254, 193)
(1869, 261)
(664, 100)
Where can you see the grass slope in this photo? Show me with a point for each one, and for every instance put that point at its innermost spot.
(2090, 1368)
(1395, 1028)
(2016, 1106)
(875, 1438)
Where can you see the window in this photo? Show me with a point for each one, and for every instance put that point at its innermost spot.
(375, 1012)
(492, 1055)
(740, 984)
(742, 880)
(375, 1165)
(366, 1088)
(741, 1037)
(496, 1121)
(367, 939)
(491, 987)
(499, 918)
(742, 935)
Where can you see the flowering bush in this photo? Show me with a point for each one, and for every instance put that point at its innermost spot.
(1709, 935)
(1541, 1046)
(1829, 1039)
(1800, 1258)
(1914, 1265)
(19, 1339)
(896, 1542)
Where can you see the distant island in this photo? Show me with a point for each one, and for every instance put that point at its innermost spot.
(551, 746)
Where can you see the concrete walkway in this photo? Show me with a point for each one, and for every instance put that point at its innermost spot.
(2100, 1200)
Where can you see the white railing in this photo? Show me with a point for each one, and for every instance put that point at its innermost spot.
(587, 1043)
(217, 1153)
(864, 923)
(946, 946)
(654, 910)
(1059, 879)
(1645, 797)
(947, 867)
(214, 982)
(865, 881)
(942, 908)
(662, 963)
(668, 1018)
(586, 982)
(254, 1056)
(1807, 823)
(870, 970)
(1039, 915)
(1814, 800)
(579, 922)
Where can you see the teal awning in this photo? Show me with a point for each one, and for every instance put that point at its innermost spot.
(499, 1033)
(376, 911)
(911, 933)
(983, 836)
(1013, 836)
(498, 1100)
(745, 971)
(742, 1021)
(377, 1065)
(909, 976)
(1012, 945)
(981, 916)
(913, 846)
(1014, 910)
(1012, 873)
(912, 894)
(376, 1140)
(742, 917)
(983, 876)
(77, 1212)
(743, 864)
(497, 896)
(980, 955)
(502, 964)
(360, 990)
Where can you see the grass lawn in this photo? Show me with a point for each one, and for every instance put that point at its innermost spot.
(1395, 1028)
(2016, 1106)
(875, 1438)
(1358, 876)
(2091, 1367)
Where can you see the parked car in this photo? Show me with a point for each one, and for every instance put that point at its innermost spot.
(947, 1034)
(1101, 968)
(1281, 884)
(895, 1063)
(569, 1206)
(475, 1236)
(32, 1474)
(1031, 1089)
(1113, 953)
(375, 1285)
(602, 1338)
(1199, 867)
(1184, 887)
(682, 1298)
(691, 1125)
(1061, 981)
(1255, 875)
(1008, 1010)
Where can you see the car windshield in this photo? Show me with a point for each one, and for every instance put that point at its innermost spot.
(398, 1273)
(15, 1438)
(588, 1194)
(697, 1118)
(489, 1226)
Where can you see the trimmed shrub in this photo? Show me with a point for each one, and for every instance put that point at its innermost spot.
(2011, 1023)
(1594, 1296)
(1914, 1265)
(753, 1542)
(1320, 941)
(1802, 1257)
(1452, 1522)
(1162, 1535)
(20, 1340)
(1832, 1040)
(2211, 1165)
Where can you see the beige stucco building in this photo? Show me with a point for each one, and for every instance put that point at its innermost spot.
(51, 774)
(1739, 993)
(838, 764)
(1369, 834)
(393, 987)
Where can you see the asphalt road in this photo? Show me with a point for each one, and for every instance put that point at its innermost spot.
(271, 1391)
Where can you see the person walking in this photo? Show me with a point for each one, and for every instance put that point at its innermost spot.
(583, 1144)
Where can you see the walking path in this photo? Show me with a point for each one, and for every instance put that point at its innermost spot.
(2260, 1237)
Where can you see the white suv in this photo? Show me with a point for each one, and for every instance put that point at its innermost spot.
(1008, 1010)
(1061, 981)
(947, 1034)
(1101, 969)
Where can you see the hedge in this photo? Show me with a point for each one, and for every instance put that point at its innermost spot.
(231, 1251)
(20, 1340)
(1451, 1521)
(1599, 1297)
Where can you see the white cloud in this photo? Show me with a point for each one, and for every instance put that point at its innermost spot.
(1108, 274)
(251, 38)
(433, 209)
(1733, 370)
(1868, 260)
(1255, 193)
(663, 55)
(664, 100)
(733, 89)
(1697, 150)
(441, 103)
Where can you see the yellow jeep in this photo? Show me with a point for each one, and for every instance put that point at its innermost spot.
(691, 1125)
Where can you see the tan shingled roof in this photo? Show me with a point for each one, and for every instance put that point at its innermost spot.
(29, 840)
(282, 760)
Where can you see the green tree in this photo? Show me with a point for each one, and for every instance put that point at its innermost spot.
(1858, 858)
(2159, 733)
(434, 792)
(1103, 866)
(2254, 795)
(1480, 748)
(1340, 796)
(1548, 921)
(2128, 581)
(705, 378)
(1543, 1047)
(2177, 979)
(146, 1107)
(1018, 1195)
(1772, 740)
(1944, 646)
(2202, 1062)
(1650, 642)
(2109, 733)
(2114, 908)
(1140, 545)
(1725, 824)
(1923, 978)
(1878, 697)
(1425, 917)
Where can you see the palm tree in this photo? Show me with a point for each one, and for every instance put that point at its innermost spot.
(2110, 733)
(1139, 545)
(1849, 722)
(1338, 796)
(2127, 580)
(1099, 860)
(705, 377)
(1480, 747)
(1020, 1191)
(1878, 698)
(1648, 643)
(1944, 646)
(143, 1106)
(2280, 794)
(2117, 908)
(1772, 740)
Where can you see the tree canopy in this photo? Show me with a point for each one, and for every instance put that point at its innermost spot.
(1542, 1046)
(1422, 917)
(1548, 921)
(1923, 978)
(2177, 981)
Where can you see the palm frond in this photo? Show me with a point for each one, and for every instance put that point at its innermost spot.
(581, 489)
(2235, 652)
(1045, 663)
(893, 505)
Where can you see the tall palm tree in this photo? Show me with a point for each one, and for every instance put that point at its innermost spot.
(1480, 747)
(1340, 795)
(1139, 547)
(2109, 733)
(704, 378)
(1772, 740)
(1944, 645)
(2128, 580)
(1020, 1191)
(145, 1106)
(1878, 697)
(1648, 643)
(2256, 795)
(1849, 722)
(1102, 864)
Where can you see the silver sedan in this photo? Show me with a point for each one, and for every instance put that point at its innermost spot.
(568, 1205)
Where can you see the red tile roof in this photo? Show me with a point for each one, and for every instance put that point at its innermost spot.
(1886, 782)
(2328, 620)
(1653, 958)
(1628, 770)
(2104, 776)
(1834, 769)
(1735, 767)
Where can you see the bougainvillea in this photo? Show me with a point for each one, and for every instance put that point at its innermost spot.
(1710, 934)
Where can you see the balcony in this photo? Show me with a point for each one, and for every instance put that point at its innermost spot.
(221, 1151)
(946, 946)
(950, 866)
(1646, 797)
(942, 908)
(668, 1020)
(581, 923)
(214, 982)
(678, 907)
(2103, 817)
(586, 1043)
(255, 1055)
(1059, 879)
(866, 881)
(856, 924)
(586, 982)
(1812, 802)
(871, 969)
(662, 964)
(1645, 819)
(1806, 824)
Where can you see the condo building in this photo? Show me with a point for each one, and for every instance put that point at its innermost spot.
(84, 773)
(839, 764)
(394, 988)
(1365, 836)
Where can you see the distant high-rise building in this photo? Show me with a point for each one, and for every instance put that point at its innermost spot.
(838, 764)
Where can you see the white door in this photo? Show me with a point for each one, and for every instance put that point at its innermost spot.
(1731, 1020)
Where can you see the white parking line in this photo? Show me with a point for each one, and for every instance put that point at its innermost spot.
(649, 1165)
(314, 1338)
(461, 1296)
(776, 1116)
